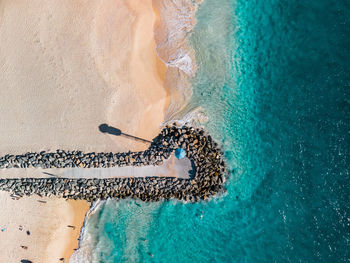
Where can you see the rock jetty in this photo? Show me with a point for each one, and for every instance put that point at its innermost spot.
(208, 178)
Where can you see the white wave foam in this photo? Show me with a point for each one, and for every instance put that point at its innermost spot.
(86, 240)
(184, 62)
(177, 19)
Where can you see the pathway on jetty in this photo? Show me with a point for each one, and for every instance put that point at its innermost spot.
(171, 167)
(201, 151)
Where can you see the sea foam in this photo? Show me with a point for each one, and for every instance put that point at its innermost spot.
(172, 31)
(177, 19)
(87, 239)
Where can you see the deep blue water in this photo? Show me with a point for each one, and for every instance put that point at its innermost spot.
(274, 79)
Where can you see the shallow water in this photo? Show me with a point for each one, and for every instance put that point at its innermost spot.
(273, 78)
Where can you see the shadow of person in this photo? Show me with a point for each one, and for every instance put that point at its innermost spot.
(115, 131)
(109, 129)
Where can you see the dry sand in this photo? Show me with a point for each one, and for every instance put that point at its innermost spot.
(65, 68)
(50, 237)
(69, 66)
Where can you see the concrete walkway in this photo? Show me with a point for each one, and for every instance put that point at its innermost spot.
(172, 167)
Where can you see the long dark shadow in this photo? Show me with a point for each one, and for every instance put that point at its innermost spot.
(53, 175)
(117, 132)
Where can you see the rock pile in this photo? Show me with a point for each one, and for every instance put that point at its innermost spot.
(67, 159)
(208, 180)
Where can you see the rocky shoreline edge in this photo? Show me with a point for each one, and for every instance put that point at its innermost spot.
(208, 178)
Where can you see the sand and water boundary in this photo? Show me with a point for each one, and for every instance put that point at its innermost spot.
(67, 67)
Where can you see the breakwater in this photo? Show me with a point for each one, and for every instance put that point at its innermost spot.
(207, 180)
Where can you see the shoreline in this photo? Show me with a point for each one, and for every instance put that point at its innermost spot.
(174, 94)
(113, 87)
(176, 21)
(208, 180)
(78, 213)
(35, 228)
(84, 251)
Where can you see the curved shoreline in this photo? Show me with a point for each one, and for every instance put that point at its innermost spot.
(95, 34)
(175, 21)
(84, 251)
(201, 150)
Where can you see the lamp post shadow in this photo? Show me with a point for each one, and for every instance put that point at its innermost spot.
(104, 128)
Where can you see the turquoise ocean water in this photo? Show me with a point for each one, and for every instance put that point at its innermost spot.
(274, 79)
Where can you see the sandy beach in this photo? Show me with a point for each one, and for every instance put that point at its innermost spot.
(37, 229)
(65, 68)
